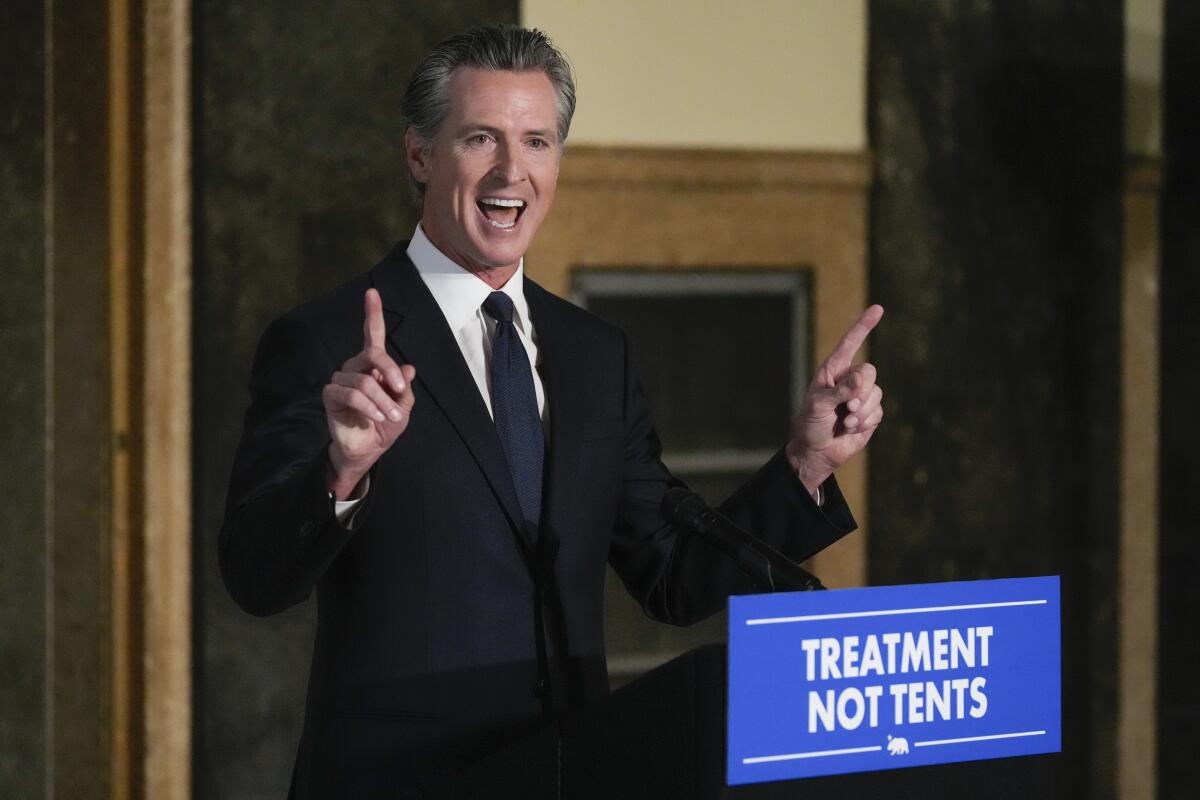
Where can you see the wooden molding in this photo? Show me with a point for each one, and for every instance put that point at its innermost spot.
(167, 481)
(150, 329)
(1137, 601)
(125, 613)
(1144, 174)
(710, 168)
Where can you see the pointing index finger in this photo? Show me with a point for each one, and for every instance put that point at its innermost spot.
(853, 339)
(374, 333)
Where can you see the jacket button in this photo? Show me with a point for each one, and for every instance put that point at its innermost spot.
(541, 688)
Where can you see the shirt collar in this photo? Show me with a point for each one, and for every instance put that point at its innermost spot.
(459, 293)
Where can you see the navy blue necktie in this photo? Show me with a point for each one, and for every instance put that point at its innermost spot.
(515, 409)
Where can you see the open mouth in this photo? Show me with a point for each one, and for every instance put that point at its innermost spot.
(501, 212)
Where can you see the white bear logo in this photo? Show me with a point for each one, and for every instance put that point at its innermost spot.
(897, 746)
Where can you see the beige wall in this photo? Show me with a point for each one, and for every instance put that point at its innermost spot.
(778, 74)
(1143, 77)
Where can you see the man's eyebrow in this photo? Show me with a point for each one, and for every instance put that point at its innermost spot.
(477, 126)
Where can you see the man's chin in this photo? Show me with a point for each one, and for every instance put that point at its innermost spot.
(503, 256)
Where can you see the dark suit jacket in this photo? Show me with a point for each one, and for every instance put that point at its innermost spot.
(443, 628)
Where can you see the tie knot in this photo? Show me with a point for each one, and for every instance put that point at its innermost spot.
(499, 307)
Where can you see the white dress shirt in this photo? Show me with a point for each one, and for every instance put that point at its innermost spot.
(460, 295)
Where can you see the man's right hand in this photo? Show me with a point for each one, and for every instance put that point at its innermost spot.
(368, 404)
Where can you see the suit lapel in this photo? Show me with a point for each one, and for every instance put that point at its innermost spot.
(559, 362)
(418, 331)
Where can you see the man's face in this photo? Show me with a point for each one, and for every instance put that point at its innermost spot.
(491, 171)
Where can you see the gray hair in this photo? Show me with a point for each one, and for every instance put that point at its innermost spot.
(491, 47)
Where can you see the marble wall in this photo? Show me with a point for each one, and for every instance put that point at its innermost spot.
(995, 245)
(22, 340)
(55, 650)
(300, 184)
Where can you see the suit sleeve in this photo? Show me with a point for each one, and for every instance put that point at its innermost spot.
(280, 532)
(678, 579)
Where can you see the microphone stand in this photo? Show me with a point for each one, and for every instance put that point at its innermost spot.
(771, 570)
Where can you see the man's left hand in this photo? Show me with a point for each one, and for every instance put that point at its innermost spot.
(841, 410)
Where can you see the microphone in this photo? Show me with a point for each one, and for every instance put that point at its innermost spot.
(770, 569)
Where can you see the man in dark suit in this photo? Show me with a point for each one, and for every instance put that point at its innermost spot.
(450, 456)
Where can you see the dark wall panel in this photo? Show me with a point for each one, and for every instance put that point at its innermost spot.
(300, 184)
(80, 440)
(1179, 596)
(55, 456)
(22, 340)
(997, 129)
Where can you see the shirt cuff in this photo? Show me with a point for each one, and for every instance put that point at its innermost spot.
(345, 510)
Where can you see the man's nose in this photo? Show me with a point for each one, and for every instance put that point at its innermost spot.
(510, 164)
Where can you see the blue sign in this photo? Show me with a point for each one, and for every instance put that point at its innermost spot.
(852, 680)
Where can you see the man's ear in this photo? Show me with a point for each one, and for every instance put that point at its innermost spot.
(416, 155)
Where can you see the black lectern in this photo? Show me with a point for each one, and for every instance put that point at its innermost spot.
(663, 736)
